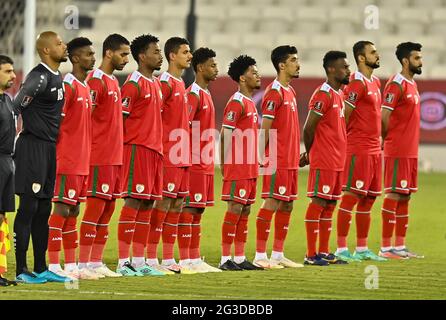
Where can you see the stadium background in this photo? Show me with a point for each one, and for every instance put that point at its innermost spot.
(254, 27)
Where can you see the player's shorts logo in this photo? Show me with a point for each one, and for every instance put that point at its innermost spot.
(282, 190)
(326, 189)
(139, 188)
(403, 183)
(242, 192)
(359, 184)
(170, 187)
(71, 193)
(230, 116)
(390, 97)
(105, 187)
(198, 197)
(36, 187)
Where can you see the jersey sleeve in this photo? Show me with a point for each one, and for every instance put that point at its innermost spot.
(129, 93)
(68, 95)
(96, 91)
(354, 92)
(392, 94)
(320, 103)
(193, 102)
(271, 101)
(34, 84)
(232, 114)
(166, 89)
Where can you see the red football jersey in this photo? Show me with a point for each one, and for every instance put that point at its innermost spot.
(107, 143)
(175, 117)
(202, 113)
(402, 98)
(328, 151)
(364, 126)
(241, 116)
(73, 147)
(279, 104)
(142, 101)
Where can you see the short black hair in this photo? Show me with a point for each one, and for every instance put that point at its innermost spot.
(239, 66)
(5, 60)
(113, 42)
(201, 55)
(359, 48)
(173, 45)
(141, 43)
(332, 56)
(404, 49)
(77, 43)
(280, 54)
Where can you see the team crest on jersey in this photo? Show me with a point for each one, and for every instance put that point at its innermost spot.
(326, 189)
(242, 192)
(126, 102)
(403, 183)
(139, 188)
(105, 187)
(230, 116)
(36, 187)
(71, 193)
(270, 106)
(390, 97)
(198, 197)
(318, 105)
(359, 184)
(282, 190)
(93, 95)
(170, 187)
(352, 96)
(26, 101)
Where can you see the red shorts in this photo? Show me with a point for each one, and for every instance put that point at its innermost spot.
(400, 175)
(282, 185)
(201, 190)
(176, 182)
(241, 191)
(363, 174)
(104, 182)
(70, 189)
(325, 184)
(142, 173)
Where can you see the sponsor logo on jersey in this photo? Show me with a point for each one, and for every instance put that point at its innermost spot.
(389, 97)
(71, 193)
(230, 116)
(126, 102)
(270, 106)
(36, 187)
(139, 188)
(26, 101)
(318, 105)
(352, 96)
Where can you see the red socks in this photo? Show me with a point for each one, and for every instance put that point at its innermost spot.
(55, 223)
(97, 250)
(140, 237)
(70, 241)
(388, 217)
(312, 217)
(325, 224)
(126, 229)
(263, 225)
(281, 223)
(363, 217)
(194, 248)
(156, 228)
(241, 235)
(402, 221)
(345, 211)
(228, 232)
(93, 212)
(184, 234)
(169, 234)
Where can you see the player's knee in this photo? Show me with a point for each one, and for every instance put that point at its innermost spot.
(270, 204)
(132, 203)
(235, 207)
(146, 205)
(163, 205)
(286, 206)
(246, 210)
(319, 201)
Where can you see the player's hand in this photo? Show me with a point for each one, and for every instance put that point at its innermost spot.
(304, 159)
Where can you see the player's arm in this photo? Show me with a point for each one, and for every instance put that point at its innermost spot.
(231, 116)
(392, 94)
(193, 102)
(97, 88)
(264, 137)
(385, 117)
(353, 92)
(35, 83)
(225, 145)
(270, 103)
(130, 93)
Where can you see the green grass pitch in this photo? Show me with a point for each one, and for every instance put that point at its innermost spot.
(412, 279)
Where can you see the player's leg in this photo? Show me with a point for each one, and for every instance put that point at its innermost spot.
(229, 227)
(157, 218)
(263, 226)
(56, 223)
